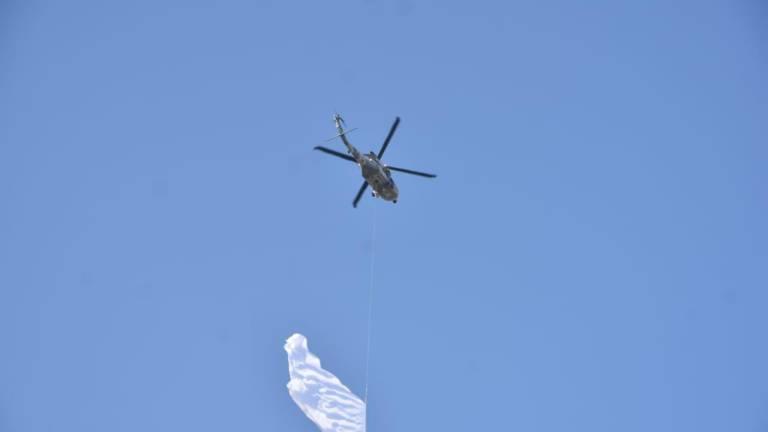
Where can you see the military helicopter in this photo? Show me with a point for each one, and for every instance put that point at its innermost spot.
(375, 173)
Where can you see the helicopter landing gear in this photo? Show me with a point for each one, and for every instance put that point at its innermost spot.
(394, 201)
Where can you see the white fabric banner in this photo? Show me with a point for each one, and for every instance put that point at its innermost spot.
(322, 396)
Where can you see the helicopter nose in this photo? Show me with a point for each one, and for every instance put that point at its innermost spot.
(395, 192)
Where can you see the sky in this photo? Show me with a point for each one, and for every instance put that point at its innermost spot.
(593, 255)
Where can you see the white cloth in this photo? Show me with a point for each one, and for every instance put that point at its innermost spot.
(322, 396)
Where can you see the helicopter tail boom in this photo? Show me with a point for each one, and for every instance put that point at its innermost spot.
(343, 135)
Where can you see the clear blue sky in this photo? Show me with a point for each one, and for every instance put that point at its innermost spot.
(592, 257)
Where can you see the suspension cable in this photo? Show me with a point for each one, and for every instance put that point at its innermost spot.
(370, 314)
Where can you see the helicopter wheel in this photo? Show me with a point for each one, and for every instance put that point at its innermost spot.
(394, 201)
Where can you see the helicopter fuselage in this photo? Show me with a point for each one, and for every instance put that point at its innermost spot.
(374, 172)
(378, 177)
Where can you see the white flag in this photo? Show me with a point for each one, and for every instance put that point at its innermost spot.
(322, 396)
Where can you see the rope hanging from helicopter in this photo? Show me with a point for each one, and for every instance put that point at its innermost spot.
(370, 314)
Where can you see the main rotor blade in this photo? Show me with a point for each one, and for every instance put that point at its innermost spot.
(335, 153)
(407, 171)
(389, 137)
(359, 194)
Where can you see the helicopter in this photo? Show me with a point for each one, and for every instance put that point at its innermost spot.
(376, 174)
